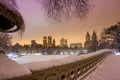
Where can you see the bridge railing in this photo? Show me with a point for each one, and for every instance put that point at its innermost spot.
(70, 71)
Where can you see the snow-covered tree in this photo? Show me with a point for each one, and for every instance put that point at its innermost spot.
(111, 35)
(5, 41)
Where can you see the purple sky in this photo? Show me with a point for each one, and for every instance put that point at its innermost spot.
(104, 14)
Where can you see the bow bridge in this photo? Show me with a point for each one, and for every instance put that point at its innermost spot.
(69, 68)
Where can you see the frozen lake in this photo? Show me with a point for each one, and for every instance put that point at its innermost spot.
(38, 58)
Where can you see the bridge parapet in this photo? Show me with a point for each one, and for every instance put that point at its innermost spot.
(67, 71)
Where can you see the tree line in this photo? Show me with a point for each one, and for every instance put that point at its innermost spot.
(111, 36)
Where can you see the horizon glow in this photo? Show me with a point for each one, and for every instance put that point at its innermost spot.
(105, 13)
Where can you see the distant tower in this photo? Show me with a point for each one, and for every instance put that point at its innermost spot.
(45, 41)
(33, 46)
(54, 42)
(87, 36)
(49, 41)
(94, 42)
(87, 42)
(33, 42)
(94, 36)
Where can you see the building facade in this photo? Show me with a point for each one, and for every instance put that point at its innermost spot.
(91, 43)
(44, 41)
(76, 45)
(87, 42)
(63, 43)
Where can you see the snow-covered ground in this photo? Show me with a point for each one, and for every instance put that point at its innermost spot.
(108, 70)
(38, 58)
(41, 62)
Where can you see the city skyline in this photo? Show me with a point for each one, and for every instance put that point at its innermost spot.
(50, 41)
(47, 42)
(102, 15)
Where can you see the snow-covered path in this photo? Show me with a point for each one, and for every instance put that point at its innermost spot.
(108, 70)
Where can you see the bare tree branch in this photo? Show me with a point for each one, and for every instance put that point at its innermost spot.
(55, 10)
(65, 9)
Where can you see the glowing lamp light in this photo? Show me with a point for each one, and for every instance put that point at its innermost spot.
(12, 55)
(117, 53)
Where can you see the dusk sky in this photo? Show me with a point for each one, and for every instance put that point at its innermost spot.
(104, 14)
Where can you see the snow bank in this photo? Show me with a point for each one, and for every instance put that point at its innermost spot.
(10, 69)
(108, 70)
(36, 66)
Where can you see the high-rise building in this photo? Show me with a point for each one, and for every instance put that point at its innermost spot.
(63, 42)
(33, 42)
(91, 45)
(54, 42)
(87, 36)
(94, 42)
(33, 46)
(49, 41)
(45, 41)
(94, 36)
(87, 42)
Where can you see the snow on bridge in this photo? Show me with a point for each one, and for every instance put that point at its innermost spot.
(108, 70)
